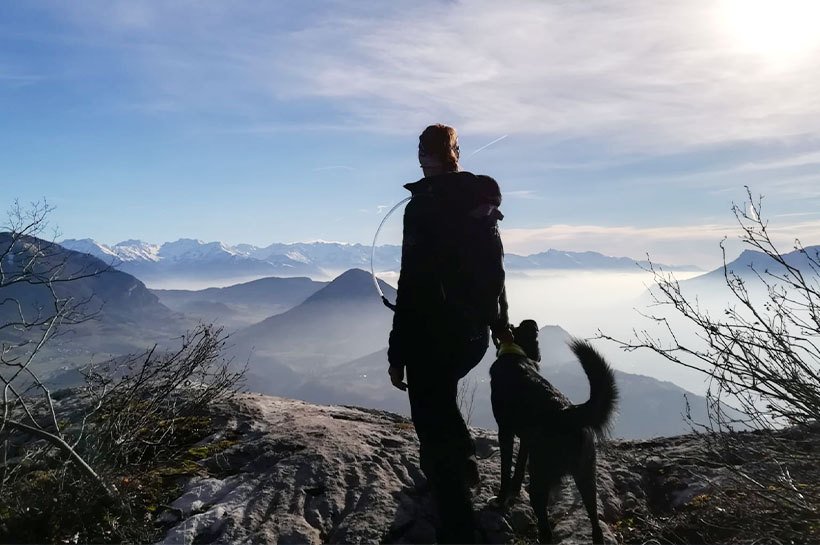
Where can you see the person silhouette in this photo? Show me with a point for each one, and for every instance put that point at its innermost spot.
(450, 297)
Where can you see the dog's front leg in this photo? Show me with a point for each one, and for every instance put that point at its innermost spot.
(520, 469)
(506, 440)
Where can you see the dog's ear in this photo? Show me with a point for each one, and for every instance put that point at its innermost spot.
(529, 325)
(526, 336)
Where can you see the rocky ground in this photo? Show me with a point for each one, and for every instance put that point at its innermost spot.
(305, 473)
(300, 473)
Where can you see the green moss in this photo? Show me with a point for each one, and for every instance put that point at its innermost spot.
(205, 451)
(700, 500)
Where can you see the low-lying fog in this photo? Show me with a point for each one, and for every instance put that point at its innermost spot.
(584, 302)
(581, 302)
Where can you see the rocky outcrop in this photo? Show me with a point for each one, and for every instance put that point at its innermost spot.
(302, 473)
(287, 471)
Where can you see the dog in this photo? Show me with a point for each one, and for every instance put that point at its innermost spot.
(557, 436)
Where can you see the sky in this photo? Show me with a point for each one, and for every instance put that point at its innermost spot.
(624, 127)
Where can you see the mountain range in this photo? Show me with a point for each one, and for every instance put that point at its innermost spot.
(118, 313)
(752, 262)
(241, 304)
(755, 269)
(342, 321)
(647, 408)
(331, 349)
(197, 260)
(322, 342)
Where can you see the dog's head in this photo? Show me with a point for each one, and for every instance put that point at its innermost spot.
(526, 336)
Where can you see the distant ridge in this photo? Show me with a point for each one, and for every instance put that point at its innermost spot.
(127, 316)
(242, 304)
(749, 264)
(648, 408)
(342, 321)
(559, 259)
(198, 260)
(352, 284)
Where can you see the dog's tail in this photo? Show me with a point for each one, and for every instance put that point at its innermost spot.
(597, 412)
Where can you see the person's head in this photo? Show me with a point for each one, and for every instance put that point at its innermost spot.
(438, 150)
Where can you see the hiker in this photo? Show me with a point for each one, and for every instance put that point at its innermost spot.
(450, 295)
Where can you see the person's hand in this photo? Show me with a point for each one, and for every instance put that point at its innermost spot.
(504, 334)
(397, 377)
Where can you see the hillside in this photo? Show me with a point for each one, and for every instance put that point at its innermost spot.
(260, 469)
(126, 315)
(342, 321)
(648, 407)
(296, 472)
(241, 304)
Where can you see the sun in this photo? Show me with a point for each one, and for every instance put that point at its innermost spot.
(780, 31)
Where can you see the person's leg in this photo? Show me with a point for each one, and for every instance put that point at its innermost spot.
(445, 446)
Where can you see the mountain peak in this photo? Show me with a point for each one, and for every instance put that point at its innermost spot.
(133, 242)
(89, 246)
(352, 284)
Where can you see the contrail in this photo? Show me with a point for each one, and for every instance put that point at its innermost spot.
(488, 145)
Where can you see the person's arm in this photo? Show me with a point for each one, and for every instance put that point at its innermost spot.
(412, 291)
(501, 330)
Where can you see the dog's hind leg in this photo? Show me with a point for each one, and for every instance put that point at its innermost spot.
(539, 499)
(585, 481)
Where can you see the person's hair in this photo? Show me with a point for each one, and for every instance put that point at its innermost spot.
(441, 142)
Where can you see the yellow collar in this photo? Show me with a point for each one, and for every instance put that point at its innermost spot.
(510, 348)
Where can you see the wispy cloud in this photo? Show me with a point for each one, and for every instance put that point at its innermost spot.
(18, 80)
(641, 74)
(796, 160)
(378, 210)
(664, 243)
(485, 146)
(522, 194)
(334, 167)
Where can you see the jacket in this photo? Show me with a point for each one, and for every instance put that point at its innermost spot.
(451, 286)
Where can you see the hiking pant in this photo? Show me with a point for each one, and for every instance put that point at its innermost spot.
(445, 446)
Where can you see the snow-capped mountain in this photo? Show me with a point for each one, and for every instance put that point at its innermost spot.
(191, 259)
(193, 250)
(188, 259)
(91, 247)
(329, 255)
(136, 250)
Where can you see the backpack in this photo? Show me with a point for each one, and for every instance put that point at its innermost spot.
(469, 251)
(470, 262)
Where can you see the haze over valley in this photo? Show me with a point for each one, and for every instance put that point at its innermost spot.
(324, 340)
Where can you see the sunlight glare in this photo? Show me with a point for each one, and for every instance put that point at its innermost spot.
(781, 31)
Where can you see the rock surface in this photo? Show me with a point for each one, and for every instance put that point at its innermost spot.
(292, 472)
(302, 473)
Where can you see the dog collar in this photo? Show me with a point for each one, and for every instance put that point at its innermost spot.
(510, 348)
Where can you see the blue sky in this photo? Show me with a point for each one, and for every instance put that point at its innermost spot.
(629, 127)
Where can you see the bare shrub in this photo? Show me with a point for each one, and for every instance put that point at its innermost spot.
(90, 464)
(140, 400)
(761, 356)
(465, 397)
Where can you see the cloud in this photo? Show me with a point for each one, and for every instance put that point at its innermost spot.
(334, 167)
(640, 74)
(378, 210)
(699, 243)
(522, 194)
(485, 146)
(18, 80)
(796, 160)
